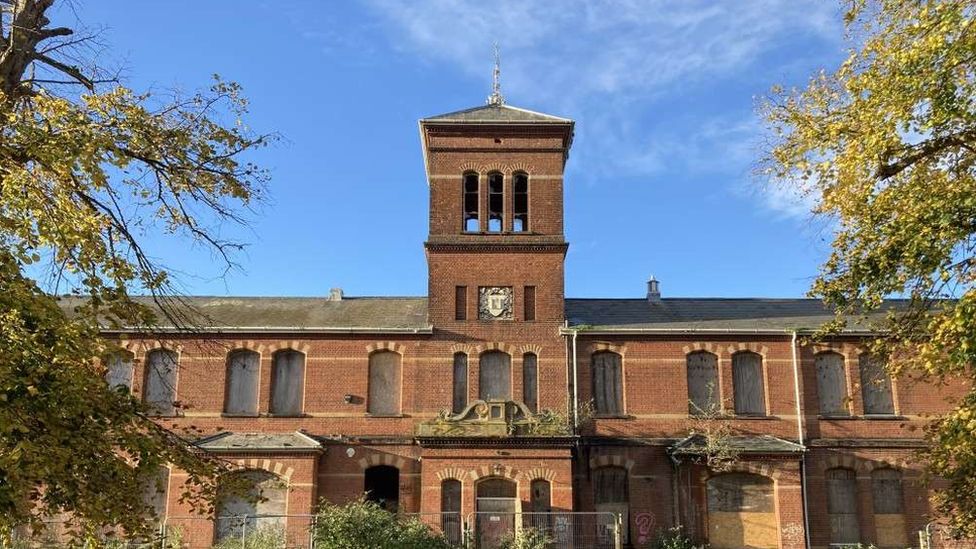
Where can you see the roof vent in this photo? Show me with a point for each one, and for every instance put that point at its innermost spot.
(653, 289)
(335, 294)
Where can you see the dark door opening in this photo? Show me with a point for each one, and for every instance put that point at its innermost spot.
(382, 486)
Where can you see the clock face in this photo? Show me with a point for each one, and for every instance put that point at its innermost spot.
(495, 303)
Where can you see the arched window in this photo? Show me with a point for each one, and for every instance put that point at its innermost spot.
(831, 384)
(889, 507)
(155, 492)
(382, 486)
(607, 383)
(496, 202)
(237, 515)
(451, 510)
(703, 390)
(287, 383)
(540, 504)
(875, 386)
(842, 506)
(747, 384)
(520, 214)
(495, 376)
(384, 384)
(611, 494)
(119, 370)
(242, 383)
(472, 199)
(460, 399)
(741, 512)
(161, 372)
(530, 381)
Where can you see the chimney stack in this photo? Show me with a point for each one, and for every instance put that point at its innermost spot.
(653, 289)
(335, 294)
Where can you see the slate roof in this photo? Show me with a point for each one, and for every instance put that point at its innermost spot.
(297, 314)
(705, 314)
(742, 444)
(489, 114)
(251, 442)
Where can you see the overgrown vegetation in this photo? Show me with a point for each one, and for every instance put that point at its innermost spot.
(365, 525)
(675, 538)
(526, 538)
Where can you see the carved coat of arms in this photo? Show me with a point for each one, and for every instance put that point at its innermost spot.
(495, 303)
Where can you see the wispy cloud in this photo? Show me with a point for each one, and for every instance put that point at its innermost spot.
(617, 65)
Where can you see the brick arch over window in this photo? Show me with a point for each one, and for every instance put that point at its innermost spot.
(496, 471)
(715, 348)
(294, 345)
(142, 349)
(276, 468)
(601, 346)
(507, 348)
(537, 473)
(611, 460)
(245, 345)
(524, 167)
(400, 462)
(757, 348)
(761, 469)
(453, 473)
(386, 346)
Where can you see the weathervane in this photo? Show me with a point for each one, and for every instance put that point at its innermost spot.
(496, 97)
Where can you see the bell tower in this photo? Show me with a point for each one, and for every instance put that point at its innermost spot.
(496, 248)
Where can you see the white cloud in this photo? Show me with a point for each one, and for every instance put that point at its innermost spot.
(610, 65)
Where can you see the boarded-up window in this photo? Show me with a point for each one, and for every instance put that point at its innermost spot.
(495, 377)
(242, 382)
(451, 509)
(264, 507)
(607, 383)
(540, 503)
(460, 399)
(119, 370)
(747, 384)
(472, 199)
(384, 383)
(287, 383)
(875, 386)
(611, 494)
(161, 373)
(520, 217)
(530, 381)
(460, 302)
(155, 492)
(496, 202)
(702, 383)
(529, 313)
(889, 511)
(831, 384)
(741, 512)
(842, 506)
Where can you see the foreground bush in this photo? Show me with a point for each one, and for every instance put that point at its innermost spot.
(365, 525)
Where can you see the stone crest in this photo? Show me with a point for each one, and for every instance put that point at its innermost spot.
(495, 303)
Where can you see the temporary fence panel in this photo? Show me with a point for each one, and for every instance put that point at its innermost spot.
(240, 532)
(564, 530)
(451, 525)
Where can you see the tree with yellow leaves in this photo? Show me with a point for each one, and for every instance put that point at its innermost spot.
(887, 146)
(89, 169)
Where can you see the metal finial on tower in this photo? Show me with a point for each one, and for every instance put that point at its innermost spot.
(496, 97)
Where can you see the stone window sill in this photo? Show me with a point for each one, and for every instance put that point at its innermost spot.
(384, 416)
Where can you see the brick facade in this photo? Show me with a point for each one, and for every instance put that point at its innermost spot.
(661, 491)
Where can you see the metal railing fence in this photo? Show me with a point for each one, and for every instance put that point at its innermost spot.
(564, 530)
(937, 536)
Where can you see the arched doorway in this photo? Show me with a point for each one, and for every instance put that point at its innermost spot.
(497, 507)
(382, 486)
(742, 512)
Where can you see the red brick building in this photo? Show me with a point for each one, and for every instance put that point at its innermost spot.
(442, 403)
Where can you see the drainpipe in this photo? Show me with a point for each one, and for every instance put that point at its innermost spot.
(799, 433)
(575, 388)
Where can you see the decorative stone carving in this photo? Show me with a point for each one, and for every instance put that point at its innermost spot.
(495, 303)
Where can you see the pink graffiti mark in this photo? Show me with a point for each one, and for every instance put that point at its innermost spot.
(644, 521)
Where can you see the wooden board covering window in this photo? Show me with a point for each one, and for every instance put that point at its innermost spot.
(611, 494)
(119, 370)
(702, 383)
(529, 298)
(747, 384)
(831, 384)
(842, 506)
(384, 383)
(460, 396)
(889, 511)
(242, 382)
(741, 512)
(161, 374)
(460, 303)
(607, 383)
(530, 381)
(875, 386)
(287, 383)
(495, 376)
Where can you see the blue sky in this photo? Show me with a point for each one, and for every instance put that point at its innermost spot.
(659, 180)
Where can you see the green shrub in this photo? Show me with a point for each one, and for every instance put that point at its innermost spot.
(269, 536)
(675, 538)
(365, 525)
(526, 538)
